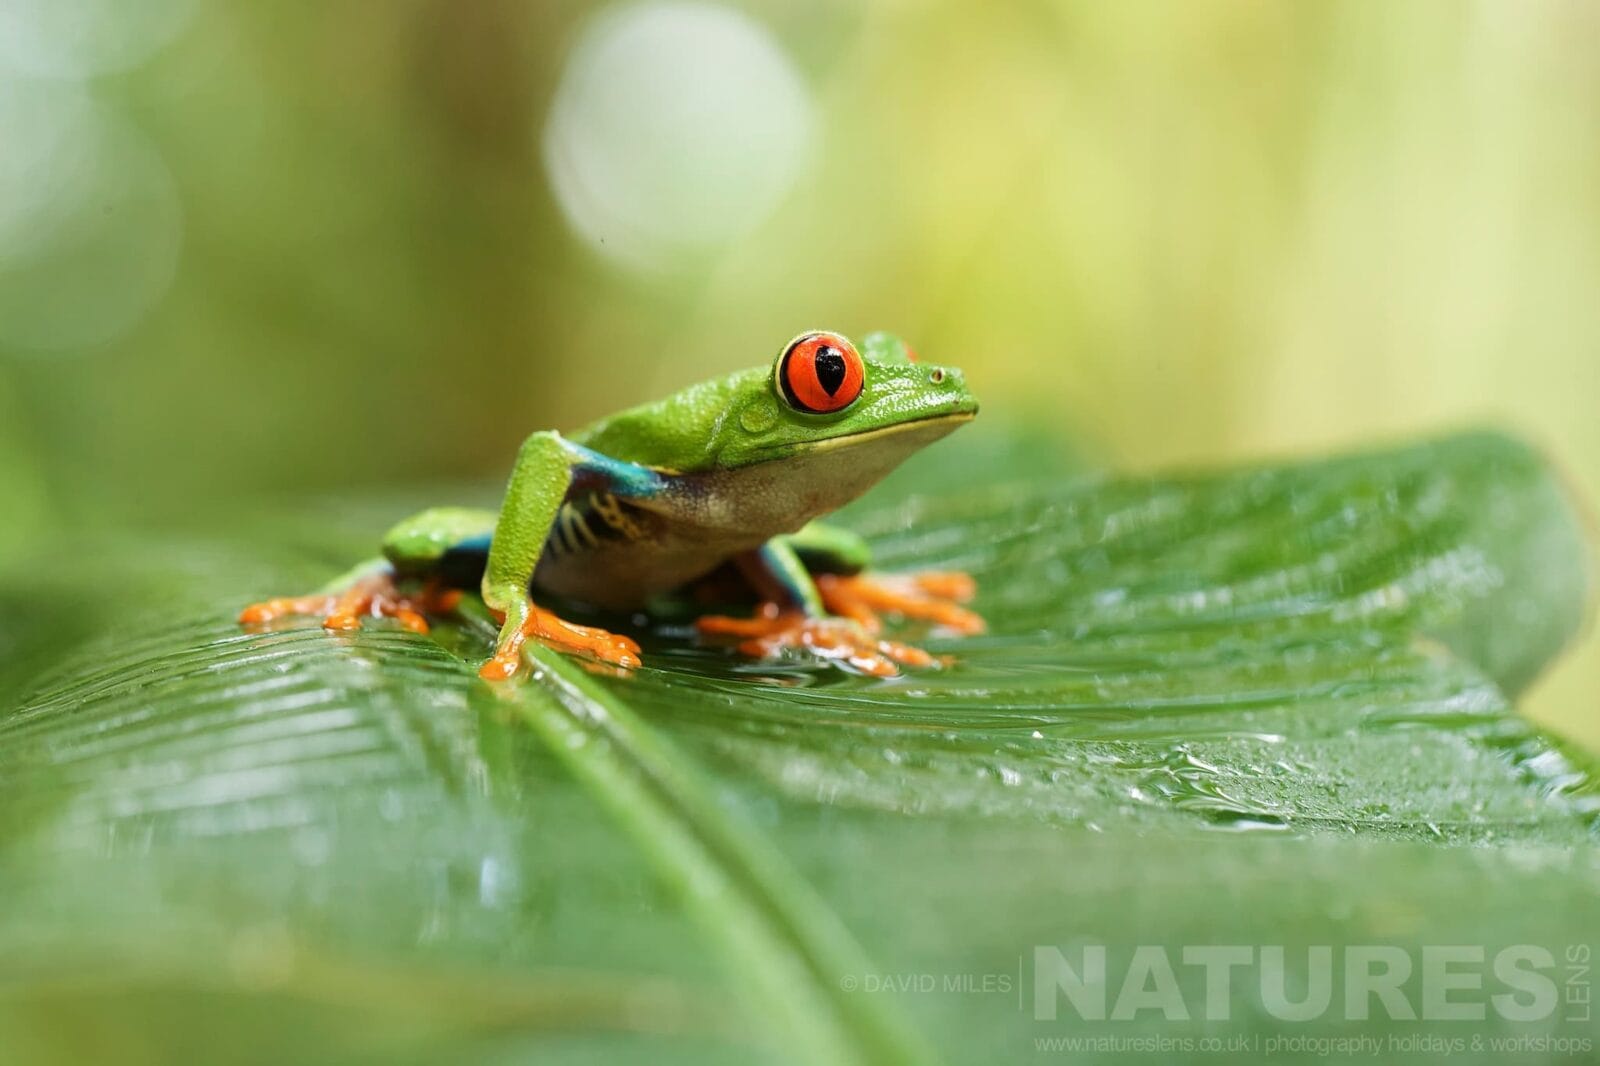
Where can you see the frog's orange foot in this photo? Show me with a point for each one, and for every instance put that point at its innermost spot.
(547, 628)
(932, 596)
(774, 630)
(373, 596)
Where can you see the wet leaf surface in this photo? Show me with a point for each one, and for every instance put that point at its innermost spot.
(1260, 707)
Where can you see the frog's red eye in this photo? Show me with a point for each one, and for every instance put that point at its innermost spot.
(821, 373)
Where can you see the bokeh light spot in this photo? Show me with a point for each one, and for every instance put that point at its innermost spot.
(84, 38)
(90, 221)
(677, 128)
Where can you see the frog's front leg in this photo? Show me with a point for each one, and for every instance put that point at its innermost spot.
(414, 578)
(548, 469)
(815, 596)
(370, 590)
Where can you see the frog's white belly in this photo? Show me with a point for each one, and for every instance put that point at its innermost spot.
(620, 574)
(618, 554)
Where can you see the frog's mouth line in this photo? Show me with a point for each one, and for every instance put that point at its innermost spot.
(851, 439)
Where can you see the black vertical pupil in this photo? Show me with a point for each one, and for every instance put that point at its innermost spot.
(831, 369)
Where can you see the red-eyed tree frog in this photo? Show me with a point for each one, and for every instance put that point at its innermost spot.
(722, 480)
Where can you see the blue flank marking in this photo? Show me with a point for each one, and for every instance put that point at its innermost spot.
(628, 480)
(785, 567)
(462, 563)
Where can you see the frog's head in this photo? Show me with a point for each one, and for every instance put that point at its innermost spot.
(866, 408)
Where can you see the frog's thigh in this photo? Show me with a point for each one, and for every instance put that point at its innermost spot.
(418, 545)
(776, 572)
(828, 549)
(549, 470)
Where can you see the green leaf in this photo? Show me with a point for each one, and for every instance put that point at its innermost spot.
(1260, 707)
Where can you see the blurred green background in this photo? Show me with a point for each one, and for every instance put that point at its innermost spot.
(250, 250)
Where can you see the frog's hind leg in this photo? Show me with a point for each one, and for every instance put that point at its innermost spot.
(826, 549)
(794, 615)
(929, 596)
(838, 560)
(368, 591)
(427, 560)
(816, 594)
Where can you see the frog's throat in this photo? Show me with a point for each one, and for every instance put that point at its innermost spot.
(948, 422)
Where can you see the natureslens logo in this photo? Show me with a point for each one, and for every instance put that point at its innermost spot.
(1375, 1002)
(1443, 983)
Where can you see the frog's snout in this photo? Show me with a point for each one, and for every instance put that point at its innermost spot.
(951, 385)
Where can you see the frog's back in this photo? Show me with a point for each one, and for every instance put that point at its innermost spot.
(674, 433)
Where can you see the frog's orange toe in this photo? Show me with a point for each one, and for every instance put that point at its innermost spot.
(499, 669)
(553, 631)
(934, 596)
(768, 619)
(411, 620)
(374, 596)
(283, 607)
(773, 630)
(947, 585)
